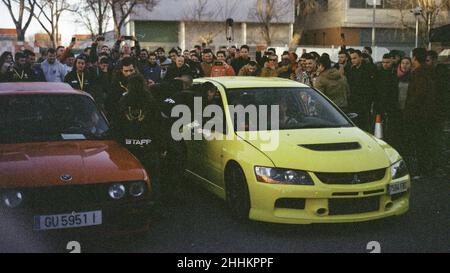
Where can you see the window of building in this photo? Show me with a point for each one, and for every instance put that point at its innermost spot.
(381, 4)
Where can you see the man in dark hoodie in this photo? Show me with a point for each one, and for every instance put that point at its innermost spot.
(331, 83)
(386, 99)
(361, 81)
(420, 115)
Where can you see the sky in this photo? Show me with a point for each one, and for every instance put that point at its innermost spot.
(67, 25)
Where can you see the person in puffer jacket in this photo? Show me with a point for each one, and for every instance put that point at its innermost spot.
(332, 83)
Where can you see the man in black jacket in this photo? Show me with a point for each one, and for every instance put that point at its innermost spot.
(80, 78)
(361, 82)
(119, 86)
(243, 59)
(38, 74)
(20, 72)
(138, 128)
(386, 100)
(102, 80)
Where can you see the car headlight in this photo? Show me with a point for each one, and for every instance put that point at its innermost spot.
(116, 191)
(399, 170)
(137, 189)
(283, 176)
(12, 199)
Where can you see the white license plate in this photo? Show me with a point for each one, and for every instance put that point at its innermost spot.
(72, 220)
(396, 188)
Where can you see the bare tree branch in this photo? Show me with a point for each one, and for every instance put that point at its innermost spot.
(48, 15)
(122, 9)
(432, 11)
(95, 16)
(23, 5)
(268, 12)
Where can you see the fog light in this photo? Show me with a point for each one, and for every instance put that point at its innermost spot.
(137, 189)
(116, 191)
(322, 212)
(388, 206)
(12, 199)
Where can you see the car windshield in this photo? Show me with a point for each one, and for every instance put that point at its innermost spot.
(299, 108)
(33, 118)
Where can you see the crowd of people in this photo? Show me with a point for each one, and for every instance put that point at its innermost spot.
(409, 93)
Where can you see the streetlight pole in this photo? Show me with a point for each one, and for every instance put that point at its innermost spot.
(417, 31)
(417, 12)
(429, 29)
(373, 22)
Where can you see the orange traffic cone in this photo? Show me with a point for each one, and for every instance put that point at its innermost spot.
(378, 128)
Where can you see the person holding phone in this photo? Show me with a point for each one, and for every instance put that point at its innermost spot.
(120, 51)
(220, 67)
(6, 64)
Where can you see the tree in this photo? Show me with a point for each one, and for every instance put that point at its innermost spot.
(21, 22)
(201, 12)
(95, 16)
(122, 9)
(48, 13)
(268, 12)
(303, 10)
(433, 11)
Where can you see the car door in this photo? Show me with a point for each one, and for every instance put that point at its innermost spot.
(208, 152)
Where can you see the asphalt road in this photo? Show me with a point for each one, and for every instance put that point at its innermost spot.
(198, 222)
(195, 221)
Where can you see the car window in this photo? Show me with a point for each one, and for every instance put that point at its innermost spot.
(29, 118)
(298, 108)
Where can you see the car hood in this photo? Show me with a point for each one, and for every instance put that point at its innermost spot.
(87, 162)
(323, 150)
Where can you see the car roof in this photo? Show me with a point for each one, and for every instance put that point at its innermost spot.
(252, 82)
(38, 88)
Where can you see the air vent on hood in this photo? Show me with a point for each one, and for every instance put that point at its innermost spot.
(332, 146)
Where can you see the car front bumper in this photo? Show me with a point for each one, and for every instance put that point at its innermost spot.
(117, 219)
(326, 203)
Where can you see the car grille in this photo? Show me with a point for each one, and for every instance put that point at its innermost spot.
(290, 203)
(351, 178)
(346, 206)
(69, 197)
(64, 196)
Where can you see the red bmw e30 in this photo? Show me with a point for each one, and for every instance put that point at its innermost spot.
(60, 169)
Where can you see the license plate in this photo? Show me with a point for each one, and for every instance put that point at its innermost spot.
(397, 188)
(72, 220)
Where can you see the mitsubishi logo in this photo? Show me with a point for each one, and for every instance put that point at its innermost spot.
(356, 179)
(66, 178)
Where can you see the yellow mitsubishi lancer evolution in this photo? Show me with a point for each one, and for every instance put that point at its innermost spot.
(303, 161)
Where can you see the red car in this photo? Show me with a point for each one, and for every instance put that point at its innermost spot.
(59, 167)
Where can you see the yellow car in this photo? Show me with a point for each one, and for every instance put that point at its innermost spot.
(316, 166)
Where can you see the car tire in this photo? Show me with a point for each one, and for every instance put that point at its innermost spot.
(237, 193)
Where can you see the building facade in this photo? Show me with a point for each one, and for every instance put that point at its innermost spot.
(353, 20)
(185, 23)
